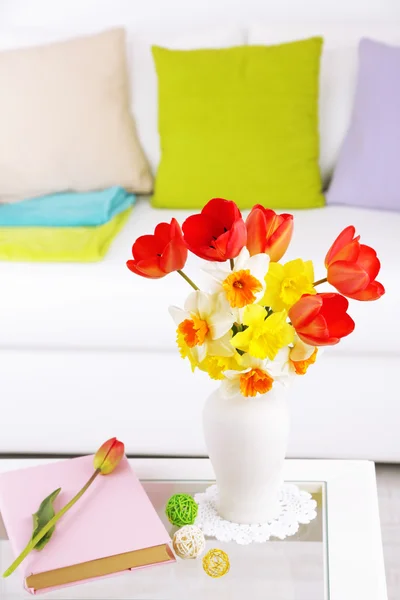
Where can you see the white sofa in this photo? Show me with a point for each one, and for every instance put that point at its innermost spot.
(88, 351)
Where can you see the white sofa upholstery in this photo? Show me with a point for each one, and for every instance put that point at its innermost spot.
(87, 351)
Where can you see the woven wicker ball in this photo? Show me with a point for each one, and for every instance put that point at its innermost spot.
(216, 563)
(181, 510)
(189, 542)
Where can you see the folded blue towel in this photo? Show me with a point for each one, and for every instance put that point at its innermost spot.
(67, 209)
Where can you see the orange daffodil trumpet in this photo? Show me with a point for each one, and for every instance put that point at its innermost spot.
(301, 356)
(244, 283)
(204, 326)
(257, 376)
(259, 322)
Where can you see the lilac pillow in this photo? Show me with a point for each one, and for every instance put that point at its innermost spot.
(368, 170)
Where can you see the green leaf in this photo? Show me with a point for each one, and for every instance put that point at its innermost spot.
(42, 517)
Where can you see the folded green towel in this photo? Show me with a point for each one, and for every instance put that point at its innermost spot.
(67, 209)
(59, 244)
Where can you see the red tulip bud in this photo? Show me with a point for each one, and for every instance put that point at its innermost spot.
(268, 232)
(353, 267)
(108, 456)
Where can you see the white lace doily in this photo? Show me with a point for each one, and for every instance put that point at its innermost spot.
(297, 507)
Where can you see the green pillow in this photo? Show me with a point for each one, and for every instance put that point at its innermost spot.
(239, 123)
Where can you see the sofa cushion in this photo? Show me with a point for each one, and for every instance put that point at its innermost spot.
(142, 72)
(367, 170)
(70, 128)
(338, 70)
(262, 23)
(242, 123)
(105, 306)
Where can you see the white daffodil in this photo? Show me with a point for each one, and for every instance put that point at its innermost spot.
(258, 376)
(243, 285)
(301, 356)
(204, 326)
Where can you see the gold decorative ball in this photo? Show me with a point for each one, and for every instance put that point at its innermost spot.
(189, 542)
(216, 563)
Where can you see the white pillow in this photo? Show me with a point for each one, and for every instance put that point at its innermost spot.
(65, 119)
(142, 73)
(338, 73)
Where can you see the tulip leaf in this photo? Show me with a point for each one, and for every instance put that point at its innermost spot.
(42, 517)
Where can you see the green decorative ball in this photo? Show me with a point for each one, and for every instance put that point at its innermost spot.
(181, 510)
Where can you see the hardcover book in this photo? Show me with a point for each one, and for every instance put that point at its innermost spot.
(112, 528)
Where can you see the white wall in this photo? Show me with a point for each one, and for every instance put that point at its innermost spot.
(178, 13)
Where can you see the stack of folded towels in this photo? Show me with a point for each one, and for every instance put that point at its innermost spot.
(70, 157)
(68, 226)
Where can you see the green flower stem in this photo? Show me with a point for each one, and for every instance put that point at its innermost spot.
(186, 278)
(49, 525)
(320, 281)
(232, 263)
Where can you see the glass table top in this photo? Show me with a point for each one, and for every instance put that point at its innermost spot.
(292, 569)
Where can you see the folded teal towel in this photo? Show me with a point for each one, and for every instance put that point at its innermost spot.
(67, 209)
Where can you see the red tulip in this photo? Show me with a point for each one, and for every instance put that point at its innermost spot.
(353, 267)
(156, 255)
(268, 232)
(321, 320)
(218, 233)
(108, 456)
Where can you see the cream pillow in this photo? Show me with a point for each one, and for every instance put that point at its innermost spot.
(65, 119)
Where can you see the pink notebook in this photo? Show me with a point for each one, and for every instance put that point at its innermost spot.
(112, 528)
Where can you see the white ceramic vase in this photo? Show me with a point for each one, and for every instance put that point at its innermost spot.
(247, 439)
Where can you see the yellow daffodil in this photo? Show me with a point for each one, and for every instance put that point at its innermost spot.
(204, 327)
(287, 283)
(264, 336)
(216, 365)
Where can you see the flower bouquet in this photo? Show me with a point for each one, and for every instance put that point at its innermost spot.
(259, 325)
